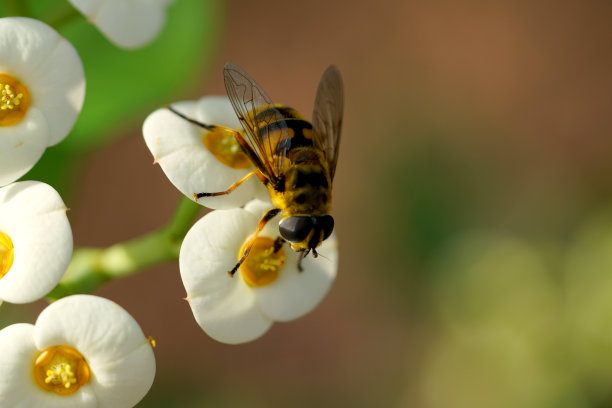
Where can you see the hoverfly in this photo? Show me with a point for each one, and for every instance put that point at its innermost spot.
(295, 159)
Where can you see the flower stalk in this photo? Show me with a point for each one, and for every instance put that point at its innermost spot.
(61, 15)
(91, 267)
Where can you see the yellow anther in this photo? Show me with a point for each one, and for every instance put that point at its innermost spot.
(61, 374)
(7, 252)
(14, 100)
(263, 264)
(152, 341)
(61, 369)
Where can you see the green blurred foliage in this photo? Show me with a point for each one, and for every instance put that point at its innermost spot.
(123, 86)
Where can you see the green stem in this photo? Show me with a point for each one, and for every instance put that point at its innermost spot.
(91, 267)
(61, 15)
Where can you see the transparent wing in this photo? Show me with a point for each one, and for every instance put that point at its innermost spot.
(327, 115)
(264, 125)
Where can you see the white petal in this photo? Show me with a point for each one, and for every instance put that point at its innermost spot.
(21, 145)
(294, 293)
(258, 208)
(18, 351)
(59, 90)
(177, 146)
(218, 110)
(24, 43)
(223, 306)
(33, 215)
(233, 318)
(127, 23)
(49, 66)
(17, 387)
(124, 382)
(98, 328)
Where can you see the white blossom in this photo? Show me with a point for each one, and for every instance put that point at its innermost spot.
(180, 148)
(228, 308)
(42, 87)
(83, 351)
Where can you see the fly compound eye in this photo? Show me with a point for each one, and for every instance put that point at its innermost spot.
(295, 229)
(326, 223)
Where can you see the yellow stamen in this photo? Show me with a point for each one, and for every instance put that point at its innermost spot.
(7, 253)
(61, 369)
(152, 341)
(14, 100)
(223, 145)
(262, 265)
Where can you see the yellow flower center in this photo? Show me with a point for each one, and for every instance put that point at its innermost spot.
(223, 145)
(262, 265)
(7, 252)
(14, 100)
(61, 369)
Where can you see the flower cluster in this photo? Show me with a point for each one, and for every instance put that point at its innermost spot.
(86, 351)
(268, 286)
(43, 87)
(83, 351)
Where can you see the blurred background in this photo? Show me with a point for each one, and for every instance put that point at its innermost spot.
(473, 200)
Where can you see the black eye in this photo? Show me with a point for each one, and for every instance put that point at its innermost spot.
(326, 223)
(295, 229)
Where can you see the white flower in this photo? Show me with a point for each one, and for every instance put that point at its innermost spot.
(83, 351)
(228, 308)
(126, 23)
(42, 88)
(197, 160)
(35, 241)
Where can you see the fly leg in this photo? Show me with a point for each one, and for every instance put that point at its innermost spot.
(262, 223)
(229, 190)
(278, 244)
(303, 254)
(190, 120)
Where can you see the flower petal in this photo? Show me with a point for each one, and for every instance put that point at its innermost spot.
(233, 318)
(178, 148)
(294, 294)
(22, 145)
(33, 215)
(217, 110)
(17, 386)
(126, 23)
(124, 382)
(59, 87)
(223, 306)
(98, 328)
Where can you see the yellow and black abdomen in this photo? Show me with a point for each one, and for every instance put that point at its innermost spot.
(305, 188)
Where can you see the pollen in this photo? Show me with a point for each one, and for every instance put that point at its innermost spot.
(14, 100)
(61, 369)
(220, 141)
(7, 252)
(263, 264)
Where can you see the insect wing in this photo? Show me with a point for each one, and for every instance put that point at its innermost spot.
(327, 115)
(264, 125)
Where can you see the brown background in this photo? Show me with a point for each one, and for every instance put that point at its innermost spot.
(520, 92)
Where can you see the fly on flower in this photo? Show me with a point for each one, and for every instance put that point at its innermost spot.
(295, 159)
